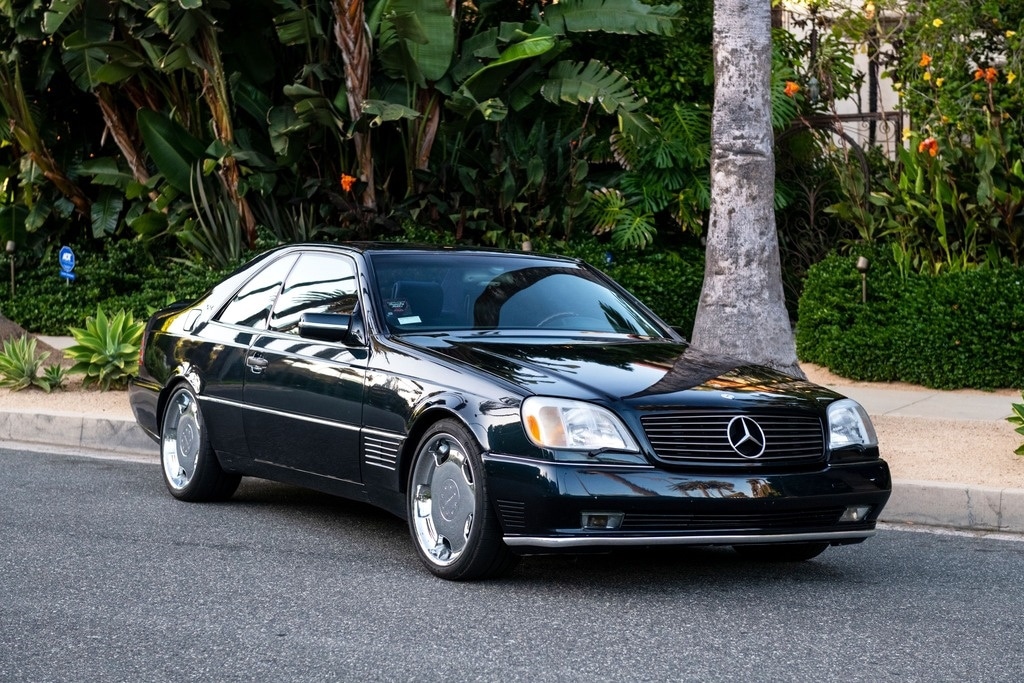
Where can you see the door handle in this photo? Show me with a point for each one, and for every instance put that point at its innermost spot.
(256, 363)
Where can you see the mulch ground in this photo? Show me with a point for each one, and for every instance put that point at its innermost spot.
(12, 330)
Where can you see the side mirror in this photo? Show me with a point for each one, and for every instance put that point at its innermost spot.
(329, 327)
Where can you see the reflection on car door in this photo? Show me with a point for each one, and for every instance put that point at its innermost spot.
(305, 396)
(222, 351)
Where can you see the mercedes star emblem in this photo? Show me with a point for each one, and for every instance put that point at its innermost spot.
(746, 437)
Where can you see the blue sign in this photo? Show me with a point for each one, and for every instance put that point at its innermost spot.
(66, 275)
(67, 261)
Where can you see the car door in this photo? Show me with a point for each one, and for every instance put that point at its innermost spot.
(305, 396)
(221, 348)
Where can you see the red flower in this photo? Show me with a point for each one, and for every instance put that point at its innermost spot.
(926, 59)
(792, 88)
(347, 182)
(930, 145)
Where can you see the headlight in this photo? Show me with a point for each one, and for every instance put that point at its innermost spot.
(849, 425)
(574, 425)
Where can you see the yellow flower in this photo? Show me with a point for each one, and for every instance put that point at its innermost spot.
(1011, 34)
(945, 119)
(1010, 77)
(939, 81)
(869, 10)
(927, 75)
(937, 22)
(907, 133)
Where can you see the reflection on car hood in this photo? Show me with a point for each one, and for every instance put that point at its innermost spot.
(647, 374)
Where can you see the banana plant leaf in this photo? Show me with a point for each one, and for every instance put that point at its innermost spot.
(172, 148)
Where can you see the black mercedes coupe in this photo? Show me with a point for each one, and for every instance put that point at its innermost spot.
(504, 403)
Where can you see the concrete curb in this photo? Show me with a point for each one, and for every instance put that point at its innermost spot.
(929, 503)
(75, 431)
(959, 506)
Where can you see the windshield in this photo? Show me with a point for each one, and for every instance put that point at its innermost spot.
(442, 291)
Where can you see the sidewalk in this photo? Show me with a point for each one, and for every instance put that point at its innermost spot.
(957, 506)
(931, 503)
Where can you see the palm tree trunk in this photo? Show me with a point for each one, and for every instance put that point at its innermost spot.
(742, 309)
(123, 138)
(350, 34)
(215, 92)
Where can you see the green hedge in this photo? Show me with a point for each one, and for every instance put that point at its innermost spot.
(945, 331)
(122, 275)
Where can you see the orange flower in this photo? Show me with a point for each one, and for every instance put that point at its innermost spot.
(991, 75)
(926, 59)
(347, 182)
(930, 145)
(792, 88)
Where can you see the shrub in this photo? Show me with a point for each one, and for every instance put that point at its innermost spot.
(107, 350)
(1018, 419)
(121, 275)
(962, 329)
(20, 365)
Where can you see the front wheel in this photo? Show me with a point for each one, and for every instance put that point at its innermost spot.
(452, 523)
(781, 552)
(191, 469)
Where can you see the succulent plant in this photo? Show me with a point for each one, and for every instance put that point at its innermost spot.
(107, 350)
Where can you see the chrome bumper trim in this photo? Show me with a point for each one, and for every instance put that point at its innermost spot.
(609, 541)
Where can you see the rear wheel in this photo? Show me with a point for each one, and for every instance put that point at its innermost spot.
(451, 519)
(191, 470)
(781, 552)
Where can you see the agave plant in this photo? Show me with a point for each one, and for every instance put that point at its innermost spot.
(107, 350)
(1018, 419)
(19, 365)
(54, 377)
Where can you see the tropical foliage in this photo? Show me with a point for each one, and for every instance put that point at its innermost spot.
(953, 198)
(106, 351)
(187, 123)
(20, 363)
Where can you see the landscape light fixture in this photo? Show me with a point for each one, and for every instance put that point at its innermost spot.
(10, 257)
(863, 265)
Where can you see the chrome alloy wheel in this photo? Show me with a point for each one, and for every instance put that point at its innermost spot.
(181, 440)
(444, 499)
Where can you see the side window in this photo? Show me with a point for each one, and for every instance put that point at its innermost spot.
(319, 283)
(252, 303)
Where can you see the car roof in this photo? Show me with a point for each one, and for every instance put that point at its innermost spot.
(373, 247)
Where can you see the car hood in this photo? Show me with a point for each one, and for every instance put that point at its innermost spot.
(646, 374)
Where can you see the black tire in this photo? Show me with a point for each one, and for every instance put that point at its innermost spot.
(190, 467)
(781, 552)
(452, 522)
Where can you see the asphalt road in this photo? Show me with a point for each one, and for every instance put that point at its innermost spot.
(104, 577)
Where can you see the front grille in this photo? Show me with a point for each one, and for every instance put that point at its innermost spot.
(770, 520)
(703, 437)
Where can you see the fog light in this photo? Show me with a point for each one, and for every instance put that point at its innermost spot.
(601, 520)
(855, 513)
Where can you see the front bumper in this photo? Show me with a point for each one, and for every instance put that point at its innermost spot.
(541, 504)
